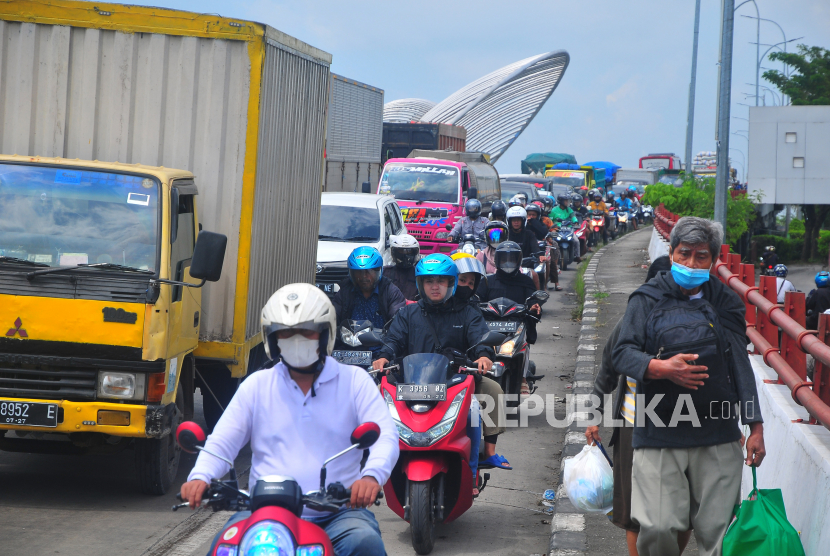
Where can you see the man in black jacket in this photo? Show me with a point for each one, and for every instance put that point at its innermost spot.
(819, 299)
(687, 472)
(405, 250)
(441, 321)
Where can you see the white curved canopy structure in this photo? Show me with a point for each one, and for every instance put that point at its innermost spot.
(406, 110)
(496, 108)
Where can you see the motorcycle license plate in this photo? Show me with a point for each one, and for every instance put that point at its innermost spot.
(421, 392)
(328, 288)
(503, 326)
(29, 414)
(359, 358)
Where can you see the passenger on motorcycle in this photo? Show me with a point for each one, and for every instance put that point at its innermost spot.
(495, 234)
(547, 206)
(367, 294)
(473, 223)
(498, 211)
(611, 200)
(583, 214)
(534, 221)
(518, 200)
(439, 322)
(782, 284)
(405, 251)
(304, 392)
(518, 232)
(510, 283)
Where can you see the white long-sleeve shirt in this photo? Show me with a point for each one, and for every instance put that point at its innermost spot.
(784, 286)
(292, 433)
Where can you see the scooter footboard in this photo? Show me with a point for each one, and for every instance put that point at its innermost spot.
(423, 466)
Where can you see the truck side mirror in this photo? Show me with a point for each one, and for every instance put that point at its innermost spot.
(472, 193)
(367, 187)
(174, 215)
(208, 256)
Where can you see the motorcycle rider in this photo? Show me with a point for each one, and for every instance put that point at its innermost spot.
(819, 299)
(405, 250)
(597, 203)
(438, 322)
(473, 223)
(547, 206)
(534, 222)
(564, 213)
(367, 294)
(583, 214)
(769, 258)
(510, 283)
(518, 200)
(495, 234)
(518, 232)
(783, 285)
(498, 211)
(304, 392)
(627, 203)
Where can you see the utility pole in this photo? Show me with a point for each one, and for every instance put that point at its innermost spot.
(724, 101)
(690, 118)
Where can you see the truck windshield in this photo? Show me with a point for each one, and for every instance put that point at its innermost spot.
(359, 224)
(421, 182)
(61, 216)
(573, 182)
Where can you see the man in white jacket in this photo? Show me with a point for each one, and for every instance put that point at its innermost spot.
(301, 411)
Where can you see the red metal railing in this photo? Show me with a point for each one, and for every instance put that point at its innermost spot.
(764, 316)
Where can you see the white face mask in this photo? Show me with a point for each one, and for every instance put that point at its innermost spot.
(298, 351)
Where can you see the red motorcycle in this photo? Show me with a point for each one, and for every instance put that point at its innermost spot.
(432, 481)
(597, 226)
(276, 503)
(582, 233)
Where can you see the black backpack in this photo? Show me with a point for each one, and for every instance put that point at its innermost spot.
(676, 325)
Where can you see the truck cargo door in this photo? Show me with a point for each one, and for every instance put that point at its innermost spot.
(185, 302)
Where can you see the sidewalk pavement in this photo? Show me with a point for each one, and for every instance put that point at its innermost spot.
(616, 270)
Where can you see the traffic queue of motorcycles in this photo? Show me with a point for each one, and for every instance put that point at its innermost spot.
(429, 395)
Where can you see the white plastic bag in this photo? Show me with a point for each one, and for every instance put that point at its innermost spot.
(589, 481)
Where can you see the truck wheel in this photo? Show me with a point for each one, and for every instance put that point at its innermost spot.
(157, 459)
(422, 516)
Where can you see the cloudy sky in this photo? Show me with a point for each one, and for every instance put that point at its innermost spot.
(624, 94)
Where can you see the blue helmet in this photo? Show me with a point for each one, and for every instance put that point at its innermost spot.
(436, 265)
(780, 271)
(365, 258)
(823, 279)
(632, 188)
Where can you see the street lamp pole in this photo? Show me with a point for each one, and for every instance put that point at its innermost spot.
(757, 39)
(724, 103)
(690, 116)
(783, 34)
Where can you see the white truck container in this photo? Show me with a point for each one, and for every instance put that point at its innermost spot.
(237, 103)
(353, 136)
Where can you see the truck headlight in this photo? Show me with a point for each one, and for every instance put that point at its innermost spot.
(121, 386)
(442, 235)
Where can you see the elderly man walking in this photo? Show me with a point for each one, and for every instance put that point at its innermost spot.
(683, 341)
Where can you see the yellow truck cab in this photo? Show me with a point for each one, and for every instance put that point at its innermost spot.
(101, 308)
(573, 175)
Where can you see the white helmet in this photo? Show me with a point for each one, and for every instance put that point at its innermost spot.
(298, 306)
(516, 212)
(404, 249)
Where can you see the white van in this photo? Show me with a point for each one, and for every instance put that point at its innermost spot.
(349, 221)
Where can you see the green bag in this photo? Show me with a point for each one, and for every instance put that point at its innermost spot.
(761, 527)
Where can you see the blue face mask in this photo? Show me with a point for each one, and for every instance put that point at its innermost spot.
(689, 278)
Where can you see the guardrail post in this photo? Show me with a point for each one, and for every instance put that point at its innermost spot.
(795, 358)
(821, 375)
(747, 275)
(767, 288)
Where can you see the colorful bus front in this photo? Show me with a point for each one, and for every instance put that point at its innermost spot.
(431, 194)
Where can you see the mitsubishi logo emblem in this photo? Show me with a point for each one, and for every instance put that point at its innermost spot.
(17, 329)
(319, 268)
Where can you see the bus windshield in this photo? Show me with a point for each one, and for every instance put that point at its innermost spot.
(59, 216)
(421, 182)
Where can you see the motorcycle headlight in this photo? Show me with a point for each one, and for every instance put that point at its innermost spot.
(311, 550)
(268, 538)
(507, 348)
(405, 433)
(469, 249)
(348, 338)
(443, 428)
(225, 550)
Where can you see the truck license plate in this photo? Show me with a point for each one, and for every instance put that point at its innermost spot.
(359, 358)
(29, 414)
(421, 392)
(328, 288)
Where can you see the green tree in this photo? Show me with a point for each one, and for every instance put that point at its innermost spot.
(810, 84)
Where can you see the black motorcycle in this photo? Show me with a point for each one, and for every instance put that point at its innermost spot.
(510, 318)
(351, 337)
(568, 243)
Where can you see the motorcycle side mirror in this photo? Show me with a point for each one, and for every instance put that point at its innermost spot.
(369, 339)
(449, 227)
(540, 296)
(365, 435)
(190, 437)
(492, 339)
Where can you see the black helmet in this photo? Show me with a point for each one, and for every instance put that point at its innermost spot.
(577, 198)
(562, 198)
(495, 233)
(548, 204)
(534, 208)
(508, 258)
(498, 210)
(473, 208)
(516, 201)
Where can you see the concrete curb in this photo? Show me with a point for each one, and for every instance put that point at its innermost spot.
(567, 534)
